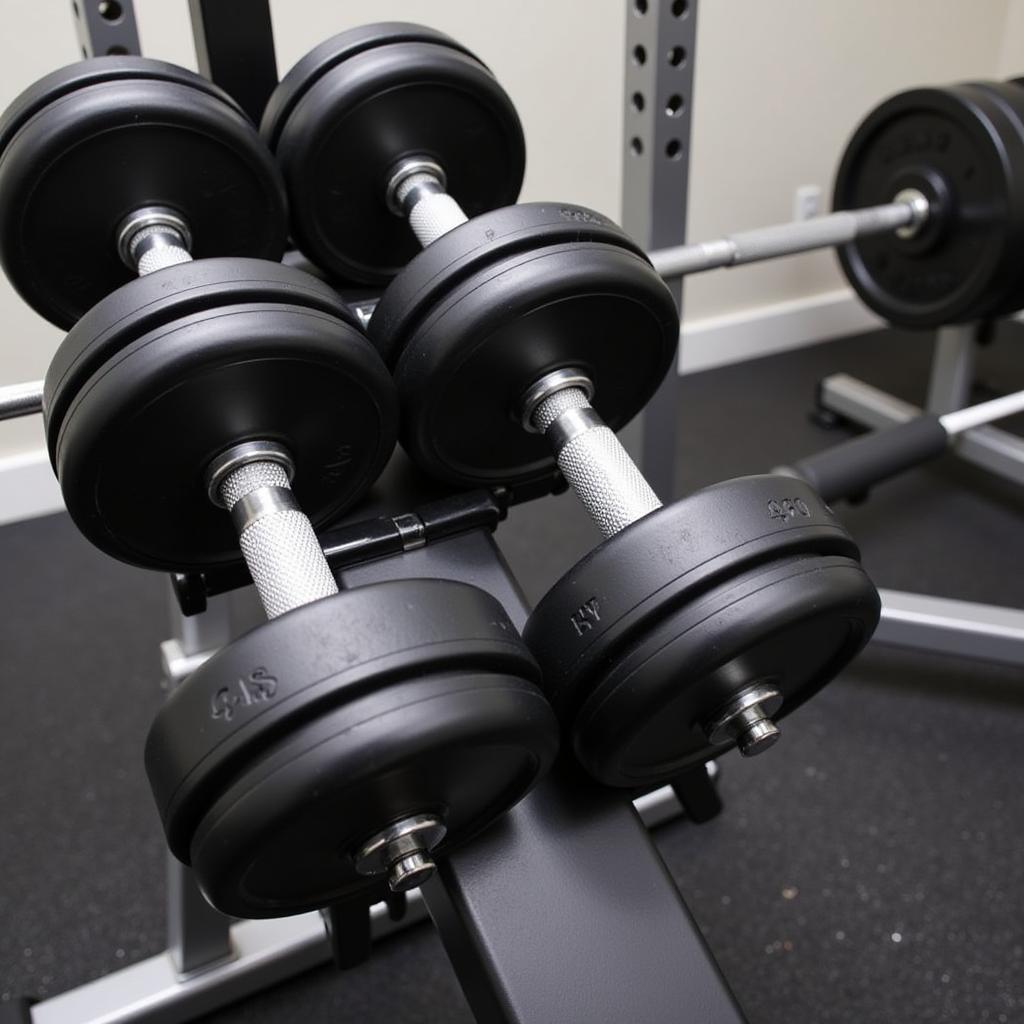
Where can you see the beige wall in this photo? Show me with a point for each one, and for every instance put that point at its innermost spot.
(1011, 53)
(778, 87)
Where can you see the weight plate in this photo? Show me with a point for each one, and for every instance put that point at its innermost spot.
(495, 304)
(331, 52)
(83, 73)
(156, 300)
(88, 145)
(474, 246)
(648, 636)
(960, 150)
(345, 116)
(281, 755)
(1009, 98)
(136, 438)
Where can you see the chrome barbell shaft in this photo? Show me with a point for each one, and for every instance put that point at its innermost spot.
(908, 211)
(959, 420)
(21, 399)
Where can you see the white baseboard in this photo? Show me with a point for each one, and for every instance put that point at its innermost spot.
(28, 487)
(764, 330)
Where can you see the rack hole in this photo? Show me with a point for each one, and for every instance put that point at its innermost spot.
(674, 106)
(674, 149)
(117, 50)
(639, 55)
(636, 145)
(640, 6)
(677, 56)
(110, 10)
(680, 8)
(638, 101)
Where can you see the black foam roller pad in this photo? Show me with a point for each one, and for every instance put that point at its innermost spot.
(849, 469)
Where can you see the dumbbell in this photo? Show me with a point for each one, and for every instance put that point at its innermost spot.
(353, 736)
(123, 166)
(368, 128)
(500, 335)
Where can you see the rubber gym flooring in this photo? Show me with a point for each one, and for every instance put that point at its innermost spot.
(870, 868)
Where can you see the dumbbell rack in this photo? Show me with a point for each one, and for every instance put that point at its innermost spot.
(640, 955)
(919, 621)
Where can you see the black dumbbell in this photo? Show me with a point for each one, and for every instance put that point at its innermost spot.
(700, 625)
(353, 107)
(500, 333)
(350, 737)
(120, 166)
(91, 144)
(368, 129)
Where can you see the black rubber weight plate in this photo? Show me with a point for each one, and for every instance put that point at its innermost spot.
(478, 317)
(475, 246)
(85, 147)
(331, 52)
(1009, 98)
(653, 631)
(293, 745)
(136, 439)
(159, 299)
(957, 147)
(357, 105)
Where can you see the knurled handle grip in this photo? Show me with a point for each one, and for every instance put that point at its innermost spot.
(278, 543)
(593, 461)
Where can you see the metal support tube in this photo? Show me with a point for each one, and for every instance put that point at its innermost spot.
(959, 420)
(952, 373)
(106, 29)
(235, 48)
(940, 625)
(907, 211)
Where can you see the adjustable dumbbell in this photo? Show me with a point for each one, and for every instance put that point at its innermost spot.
(929, 197)
(354, 733)
(500, 335)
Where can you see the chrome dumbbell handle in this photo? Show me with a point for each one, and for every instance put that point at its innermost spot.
(153, 237)
(253, 482)
(416, 191)
(592, 459)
